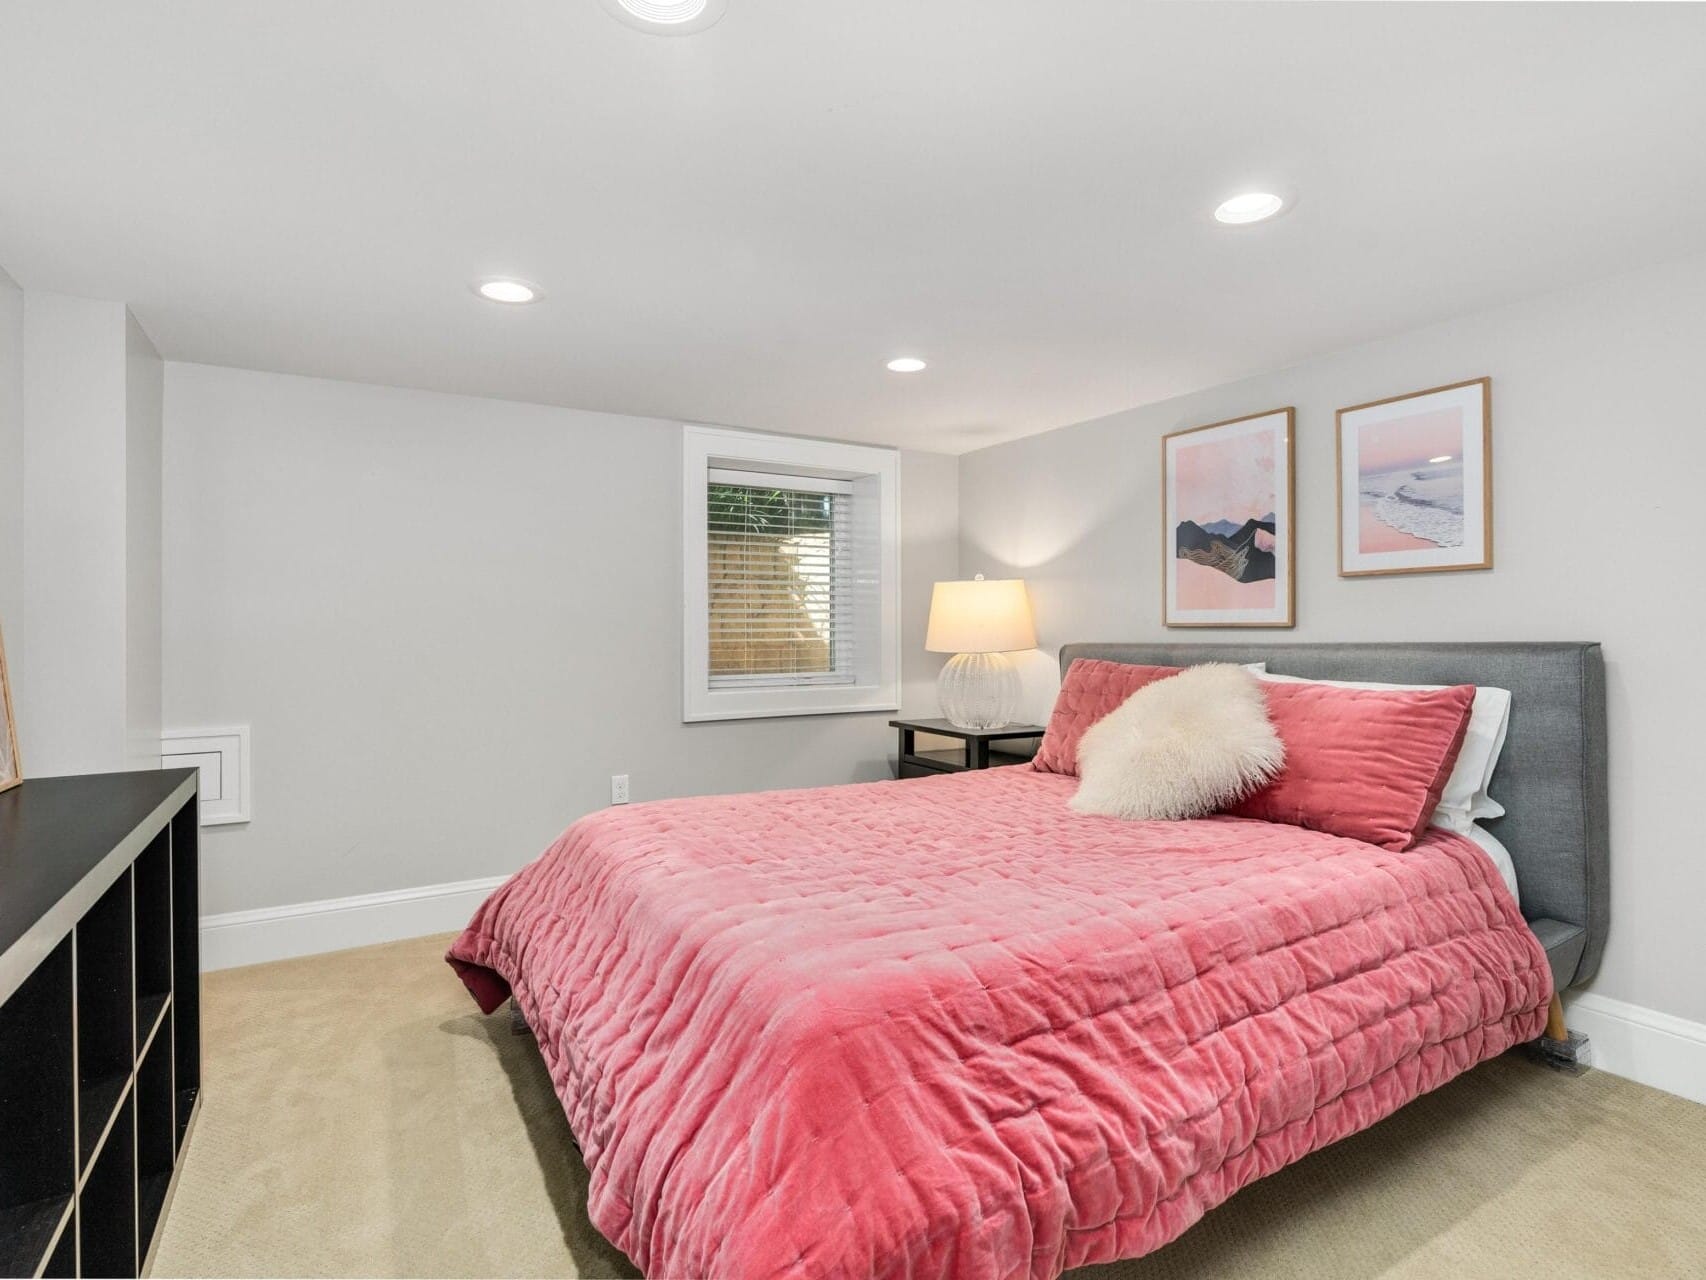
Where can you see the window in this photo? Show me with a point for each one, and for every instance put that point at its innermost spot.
(791, 576)
(779, 572)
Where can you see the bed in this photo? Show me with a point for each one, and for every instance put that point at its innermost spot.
(944, 1027)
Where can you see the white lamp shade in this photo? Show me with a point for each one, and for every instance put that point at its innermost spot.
(980, 617)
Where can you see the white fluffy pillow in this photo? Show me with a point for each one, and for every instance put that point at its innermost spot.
(1179, 748)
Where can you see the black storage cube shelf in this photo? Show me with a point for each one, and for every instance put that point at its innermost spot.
(100, 1008)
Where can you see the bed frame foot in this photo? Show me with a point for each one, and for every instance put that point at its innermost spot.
(1558, 1048)
(517, 1023)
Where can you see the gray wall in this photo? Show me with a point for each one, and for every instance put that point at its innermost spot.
(449, 621)
(1599, 439)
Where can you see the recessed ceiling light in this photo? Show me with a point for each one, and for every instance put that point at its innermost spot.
(906, 364)
(1444, 457)
(1252, 206)
(511, 291)
(667, 17)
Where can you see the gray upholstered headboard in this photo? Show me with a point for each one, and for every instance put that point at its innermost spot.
(1551, 777)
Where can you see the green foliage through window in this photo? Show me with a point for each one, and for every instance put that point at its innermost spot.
(739, 508)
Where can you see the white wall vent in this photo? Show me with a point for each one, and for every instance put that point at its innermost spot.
(222, 755)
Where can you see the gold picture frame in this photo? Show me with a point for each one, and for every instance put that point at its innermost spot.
(1190, 597)
(1409, 468)
(11, 764)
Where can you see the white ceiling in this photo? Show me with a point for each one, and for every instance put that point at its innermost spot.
(742, 226)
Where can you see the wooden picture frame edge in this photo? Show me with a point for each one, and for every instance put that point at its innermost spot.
(11, 722)
(1290, 412)
(1486, 385)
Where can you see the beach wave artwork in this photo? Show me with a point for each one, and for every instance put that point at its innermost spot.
(1425, 502)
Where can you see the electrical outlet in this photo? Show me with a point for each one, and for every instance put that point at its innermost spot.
(618, 788)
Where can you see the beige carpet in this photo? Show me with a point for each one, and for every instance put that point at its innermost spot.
(361, 1119)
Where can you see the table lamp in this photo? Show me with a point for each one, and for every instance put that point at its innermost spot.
(980, 622)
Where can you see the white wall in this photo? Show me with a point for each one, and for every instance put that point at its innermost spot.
(68, 650)
(1599, 440)
(83, 635)
(11, 448)
(449, 621)
(144, 375)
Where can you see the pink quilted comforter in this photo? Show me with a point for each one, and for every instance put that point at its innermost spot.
(948, 1027)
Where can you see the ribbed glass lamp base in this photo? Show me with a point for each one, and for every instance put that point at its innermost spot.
(979, 690)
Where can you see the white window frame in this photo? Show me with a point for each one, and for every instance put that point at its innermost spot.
(875, 475)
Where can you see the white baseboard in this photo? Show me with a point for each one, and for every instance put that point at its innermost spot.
(1642, 1044)
(307, 928)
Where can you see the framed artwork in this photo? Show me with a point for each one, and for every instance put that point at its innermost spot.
(1228, 551)
(1416, 482)
(11, 770)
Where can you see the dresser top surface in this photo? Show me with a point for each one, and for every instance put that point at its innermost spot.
(55, 831)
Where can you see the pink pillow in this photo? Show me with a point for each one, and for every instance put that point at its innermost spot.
(1092, 688)
(1365, 763)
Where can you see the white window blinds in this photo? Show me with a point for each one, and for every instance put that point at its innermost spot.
(779, 580)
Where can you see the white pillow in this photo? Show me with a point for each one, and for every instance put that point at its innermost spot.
(1495, 849)
(1465, 796)
(1179, 748)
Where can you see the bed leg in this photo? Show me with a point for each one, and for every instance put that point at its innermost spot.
(1557, 1047)
(517, 1023)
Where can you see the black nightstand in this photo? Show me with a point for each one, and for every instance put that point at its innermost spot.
(975, 755)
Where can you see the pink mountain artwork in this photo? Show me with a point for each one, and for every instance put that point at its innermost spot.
(1225, 541)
